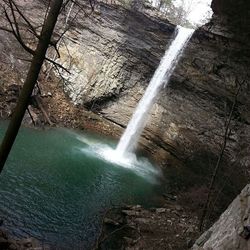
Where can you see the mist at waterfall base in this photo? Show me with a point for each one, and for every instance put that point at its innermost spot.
(56, 186)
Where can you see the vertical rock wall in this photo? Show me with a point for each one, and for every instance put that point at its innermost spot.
(114, 53)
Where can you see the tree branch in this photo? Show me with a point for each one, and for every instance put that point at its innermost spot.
(57, 65)
(26, 20)
(16, 33)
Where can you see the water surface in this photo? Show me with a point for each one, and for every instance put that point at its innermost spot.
(55, 188)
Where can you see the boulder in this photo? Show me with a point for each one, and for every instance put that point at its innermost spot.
(232, 230)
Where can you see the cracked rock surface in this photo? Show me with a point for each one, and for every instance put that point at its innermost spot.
(231, 231)
(114, 54)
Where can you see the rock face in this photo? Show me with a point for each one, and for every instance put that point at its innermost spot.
(232, 230)
(234, 17)
(134, 227)
(114, 54)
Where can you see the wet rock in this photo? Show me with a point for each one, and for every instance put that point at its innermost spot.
(160, 210)
(178, 208)
(170, 197)
(111, 222)
(136, 207)
(130, 212)
(142, 220)
(27, 242)
(13, 247)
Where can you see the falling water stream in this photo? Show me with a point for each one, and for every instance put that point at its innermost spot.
(160, 78)
(60, 192)
(57, 183)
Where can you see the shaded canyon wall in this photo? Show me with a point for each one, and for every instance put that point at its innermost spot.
(114, 53)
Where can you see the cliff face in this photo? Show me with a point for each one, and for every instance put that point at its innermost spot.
(233, 17)
(111, 52)
(114, 54)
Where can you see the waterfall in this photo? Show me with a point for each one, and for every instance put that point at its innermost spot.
(161, 77)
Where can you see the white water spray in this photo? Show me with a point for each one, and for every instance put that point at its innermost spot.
(161, 77)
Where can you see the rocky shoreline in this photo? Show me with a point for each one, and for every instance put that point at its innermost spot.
(9, 242)
(134, 227)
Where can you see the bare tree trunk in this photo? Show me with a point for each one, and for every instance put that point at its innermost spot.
(30, 81)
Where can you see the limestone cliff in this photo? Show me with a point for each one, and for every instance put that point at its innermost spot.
(114, 53)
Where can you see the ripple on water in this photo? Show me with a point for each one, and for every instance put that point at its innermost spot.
(57, 187)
